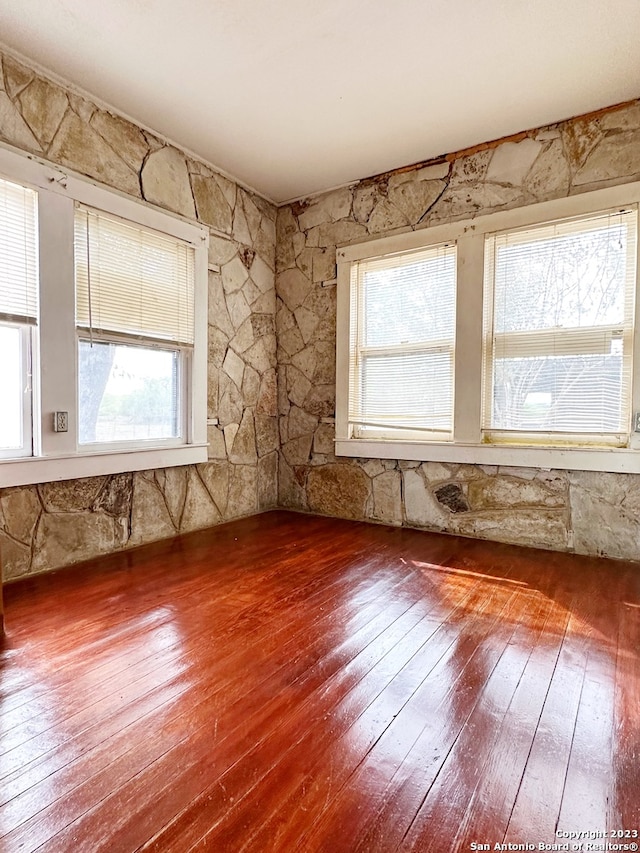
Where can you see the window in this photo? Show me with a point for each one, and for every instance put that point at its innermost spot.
(507, 339)
(102, 319)
(559, 331)
(18, 314)
(403, 328)
(134, 315)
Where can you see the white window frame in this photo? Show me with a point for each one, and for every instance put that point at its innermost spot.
(466, 444)
(58, 455)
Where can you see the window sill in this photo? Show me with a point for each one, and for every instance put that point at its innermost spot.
(615, 460)
(23, 472)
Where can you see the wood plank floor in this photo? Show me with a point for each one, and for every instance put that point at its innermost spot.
(294, 683)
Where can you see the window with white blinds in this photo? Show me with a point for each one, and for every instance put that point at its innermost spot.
(103, 329)
(18, 253)
(402, 332)
(510, 338)
(558, 343)
(132, 280)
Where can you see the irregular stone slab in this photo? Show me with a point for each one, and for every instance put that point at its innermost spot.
(321, 401)
(13, 128)
(21, 510)
(365, 198)
(387, 502)
(16, 75)
(266, 434)
(385, 216)
(234, 275)
(617, 156)
(71, 495)
(244, 444)
(262, 275)
(323, 439)
(338, 490)
(165, 181)
(414, 198)
(537, 528)
(300, 422)
(115, 497)
(550, 175)
(150, 519)
(65, 538)
(510, 493)
(125, 138)
(77, 145)
(250, 386)
(293, 288)
(268, 395)
(605, 514)
(233, 366)
(16, 558)
(243, 491)
(330, 207)
(43, 106)
(211, 204)
(298, 450)
(215, 439)
(174, 490)
(579, 138)
(221, 250)
(199, 509)
(421, 509)
(215, 476)
(268, 482)
(512, 160)
(291, 491)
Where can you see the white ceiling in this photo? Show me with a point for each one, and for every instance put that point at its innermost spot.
(294, 96)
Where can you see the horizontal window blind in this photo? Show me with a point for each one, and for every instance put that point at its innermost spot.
(402, 337)
(132, 280)
(18, 253)
(559, 307)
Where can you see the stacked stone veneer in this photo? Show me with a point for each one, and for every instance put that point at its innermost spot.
(591, 513)
(51, 525)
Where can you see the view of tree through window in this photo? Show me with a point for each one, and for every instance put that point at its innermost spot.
(127, 393)
(562, 318)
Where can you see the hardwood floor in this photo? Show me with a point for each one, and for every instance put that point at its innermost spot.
(295, 683)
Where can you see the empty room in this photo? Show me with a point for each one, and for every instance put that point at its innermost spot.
(320, 434)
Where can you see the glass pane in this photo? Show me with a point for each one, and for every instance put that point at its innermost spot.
(563, 394)
(127, 393)
(562, 280)
(414, 391)
(11, 388)
(410, 303)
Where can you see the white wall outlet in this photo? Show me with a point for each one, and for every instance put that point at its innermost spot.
(61, 421)
(636, 421)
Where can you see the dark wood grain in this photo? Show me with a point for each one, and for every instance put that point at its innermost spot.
(295, 683)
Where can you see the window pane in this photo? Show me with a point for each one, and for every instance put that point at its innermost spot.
(567, 280)
(410, 303)
(11, 389)
(561, 344)
(127, 393)
(413, 391)
(565, 394)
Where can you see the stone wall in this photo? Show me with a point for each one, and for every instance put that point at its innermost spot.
(591, 513)
(54, 524)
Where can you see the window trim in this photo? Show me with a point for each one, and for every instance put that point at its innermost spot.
(467, 445)
(58, 456)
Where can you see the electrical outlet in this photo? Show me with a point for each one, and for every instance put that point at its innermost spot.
(636, 421)
(61, 421)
